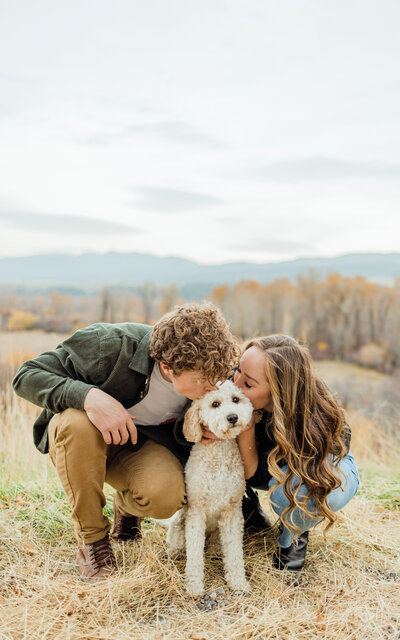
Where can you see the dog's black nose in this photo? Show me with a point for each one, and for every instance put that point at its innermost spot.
(232, 418)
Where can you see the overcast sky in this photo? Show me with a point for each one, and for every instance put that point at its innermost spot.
(215, 130)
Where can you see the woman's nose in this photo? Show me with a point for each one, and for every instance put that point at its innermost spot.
(237, 379)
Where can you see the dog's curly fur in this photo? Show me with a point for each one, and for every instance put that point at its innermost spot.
(215, 485)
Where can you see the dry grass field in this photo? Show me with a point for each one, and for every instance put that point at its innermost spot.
(350, 588)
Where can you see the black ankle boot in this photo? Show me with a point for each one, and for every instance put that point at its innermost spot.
(255, 520)
(292, 558)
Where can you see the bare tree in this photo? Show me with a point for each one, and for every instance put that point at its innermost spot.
(106, 305)
(148, 294)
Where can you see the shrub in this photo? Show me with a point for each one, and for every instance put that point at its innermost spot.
(371, 355)
(21, 320)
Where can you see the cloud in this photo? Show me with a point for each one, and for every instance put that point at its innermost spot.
(177, 131)
(172, 200)
(68, 224)
(8, 77)
(5, 111)
(320, 168)
(272, 245)
(228, 220)
(170, 130)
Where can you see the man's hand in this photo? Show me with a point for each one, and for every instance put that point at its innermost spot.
(109, 417)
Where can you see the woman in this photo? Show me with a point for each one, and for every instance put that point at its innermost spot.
(297, 444)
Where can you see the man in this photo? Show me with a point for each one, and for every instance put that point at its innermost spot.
(113, 396)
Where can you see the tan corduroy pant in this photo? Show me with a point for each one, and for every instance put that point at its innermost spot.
(149, 482)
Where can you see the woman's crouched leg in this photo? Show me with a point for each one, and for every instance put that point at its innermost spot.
(337, 499)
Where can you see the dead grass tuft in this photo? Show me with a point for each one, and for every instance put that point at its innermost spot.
(350, 588)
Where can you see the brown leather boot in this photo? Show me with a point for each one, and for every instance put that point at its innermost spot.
(96, 561)
(125, 527)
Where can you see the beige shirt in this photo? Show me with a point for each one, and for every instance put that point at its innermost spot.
(161, 403)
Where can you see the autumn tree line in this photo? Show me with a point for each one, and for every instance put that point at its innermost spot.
(341, 318)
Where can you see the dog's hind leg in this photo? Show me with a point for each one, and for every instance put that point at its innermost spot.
(176, 533)
(195, 532)
(231, 531)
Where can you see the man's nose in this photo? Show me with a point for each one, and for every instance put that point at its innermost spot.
(209, 387)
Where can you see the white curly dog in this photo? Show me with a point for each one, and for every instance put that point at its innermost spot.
(215, 485)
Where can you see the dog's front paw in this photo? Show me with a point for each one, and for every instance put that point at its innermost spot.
(240, 586)
(194, 588)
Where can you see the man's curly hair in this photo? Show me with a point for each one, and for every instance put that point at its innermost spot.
(195, 337)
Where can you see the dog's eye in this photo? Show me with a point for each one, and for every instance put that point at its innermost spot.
(216, 404)
(235, 399)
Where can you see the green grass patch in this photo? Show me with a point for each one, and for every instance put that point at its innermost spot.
(381, 488)
(43, 512)
(39, 512)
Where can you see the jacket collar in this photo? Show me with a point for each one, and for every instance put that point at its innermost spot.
(141, 361)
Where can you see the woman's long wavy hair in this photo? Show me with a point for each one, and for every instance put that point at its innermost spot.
(307, 425)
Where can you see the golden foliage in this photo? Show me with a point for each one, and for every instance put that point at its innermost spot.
(21, 320)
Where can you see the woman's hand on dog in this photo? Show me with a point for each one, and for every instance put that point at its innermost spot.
(208, 436)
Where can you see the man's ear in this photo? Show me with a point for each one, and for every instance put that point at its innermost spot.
(166, 371)
(192, 426)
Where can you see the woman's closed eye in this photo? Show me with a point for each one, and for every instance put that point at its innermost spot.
(246, 384)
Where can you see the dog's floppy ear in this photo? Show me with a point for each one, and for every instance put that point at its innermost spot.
(192, 425)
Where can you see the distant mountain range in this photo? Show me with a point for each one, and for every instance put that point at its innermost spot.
(92, 270)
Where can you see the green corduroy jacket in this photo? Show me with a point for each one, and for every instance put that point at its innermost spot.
(111, 357)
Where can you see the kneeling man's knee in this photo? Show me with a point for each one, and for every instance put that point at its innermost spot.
(75, 422)
(166, 495)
